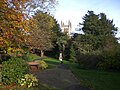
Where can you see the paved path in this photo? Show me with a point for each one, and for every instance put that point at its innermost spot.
(60, 77)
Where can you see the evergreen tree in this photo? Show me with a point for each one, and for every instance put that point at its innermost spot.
(98, 45)
(72, 54)
(98, 32)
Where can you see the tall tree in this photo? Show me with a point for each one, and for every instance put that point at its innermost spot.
(12, 23)
(72, 57)
(108, 31)
(98, 32)
(62, 40)
(41, 33)
(14, 20)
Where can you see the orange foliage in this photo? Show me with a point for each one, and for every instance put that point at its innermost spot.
(13, 23)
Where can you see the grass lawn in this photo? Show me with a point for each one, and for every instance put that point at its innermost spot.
(33, 57)
(96, 80)
(52, 62)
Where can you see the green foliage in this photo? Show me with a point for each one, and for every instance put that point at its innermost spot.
(12, 70)
(30, 57)
(88, 60)
(56, 34)
(72, 54)
(28, 80)
(62, 41)
(42, 64)
(26, 56)
(33, 56)
(98, 32)
(98, 24)
(99, 35)
(52, 63)
(95, 79)
(41, 31)
(110, 59)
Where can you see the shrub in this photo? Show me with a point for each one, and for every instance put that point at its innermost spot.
(4, 57)
(42, 64)
(12, 70)
(30, 57)
(28, 80)
(15, 52)
(26, 56)
(110, 59)
(88, 60)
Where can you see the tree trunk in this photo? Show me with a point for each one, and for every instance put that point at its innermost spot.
(42, 53)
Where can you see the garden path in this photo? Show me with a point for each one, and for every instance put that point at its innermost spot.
(59, 77)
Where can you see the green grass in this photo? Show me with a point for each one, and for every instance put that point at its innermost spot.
(52, 62)
(33, 56)
(96, 80)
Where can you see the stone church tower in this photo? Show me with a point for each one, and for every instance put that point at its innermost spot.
(66, 27)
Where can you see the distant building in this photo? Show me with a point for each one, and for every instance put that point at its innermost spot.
(66, 27)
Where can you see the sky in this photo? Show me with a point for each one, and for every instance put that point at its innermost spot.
(74, 10)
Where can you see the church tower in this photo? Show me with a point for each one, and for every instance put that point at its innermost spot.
(66, 27)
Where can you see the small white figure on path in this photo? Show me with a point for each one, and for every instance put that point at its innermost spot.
(60, 58)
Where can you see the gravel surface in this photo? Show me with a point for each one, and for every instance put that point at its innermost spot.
(60, 77)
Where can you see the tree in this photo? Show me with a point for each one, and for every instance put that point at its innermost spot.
(72, 54)
(62, 42)
(108, 32)
(41, 33)
(54, 52)
(83, 43)
(98, 30)
(97, 42)
(57, 31)
(42, 5)
(14, 20)
(12, 24)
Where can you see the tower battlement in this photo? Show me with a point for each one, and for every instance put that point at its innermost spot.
(66, 27)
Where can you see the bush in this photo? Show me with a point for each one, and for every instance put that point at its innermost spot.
(12, 70)
(30, 57)
(42, 64)
(4, 57)
(28, 80)
(26, 56)
(88, 60)
(110, 59)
